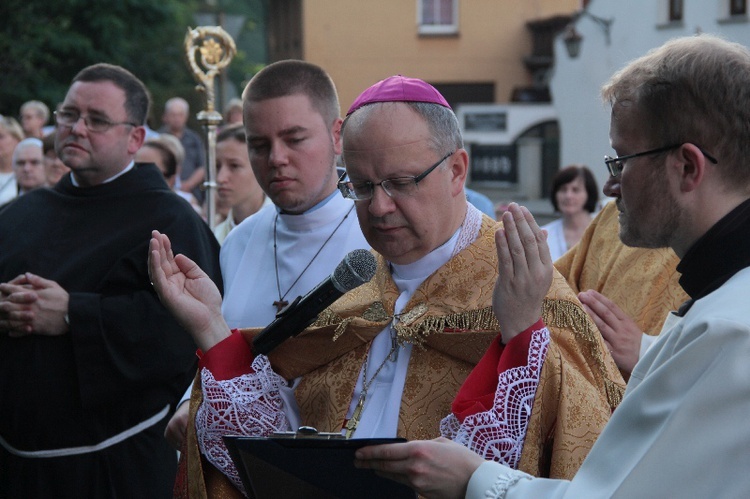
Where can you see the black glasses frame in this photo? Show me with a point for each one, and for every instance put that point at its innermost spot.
(348, 192)
(616, 165)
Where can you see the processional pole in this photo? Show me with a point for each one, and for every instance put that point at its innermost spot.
(216, 49)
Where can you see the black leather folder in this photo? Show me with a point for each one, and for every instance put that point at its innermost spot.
(310, 468)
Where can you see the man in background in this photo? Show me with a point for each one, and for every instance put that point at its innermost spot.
(193, 172)
(91, 363)
(28, 165)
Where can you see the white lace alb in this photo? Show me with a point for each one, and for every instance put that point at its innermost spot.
(248, 405)
(499, 433)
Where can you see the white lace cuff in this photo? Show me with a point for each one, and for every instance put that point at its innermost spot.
(499, 433)
(248, 405)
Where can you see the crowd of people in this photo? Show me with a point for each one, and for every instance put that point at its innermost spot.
(602, 355)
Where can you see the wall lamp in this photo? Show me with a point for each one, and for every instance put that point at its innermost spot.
(573, 38)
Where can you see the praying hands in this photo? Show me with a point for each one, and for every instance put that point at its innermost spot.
(30, 304)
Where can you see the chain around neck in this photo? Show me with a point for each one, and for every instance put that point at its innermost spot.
(282, 303)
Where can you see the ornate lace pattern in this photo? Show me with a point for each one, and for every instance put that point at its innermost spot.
(469, 229)
(499, 434)
(248, 405)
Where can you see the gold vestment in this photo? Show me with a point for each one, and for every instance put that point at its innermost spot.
(450, 321)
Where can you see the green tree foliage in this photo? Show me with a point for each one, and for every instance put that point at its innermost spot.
(44, 43)
(252, 49)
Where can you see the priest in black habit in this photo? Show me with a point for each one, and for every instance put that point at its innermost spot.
(91, 363)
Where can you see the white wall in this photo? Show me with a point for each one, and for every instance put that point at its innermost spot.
(638, 26)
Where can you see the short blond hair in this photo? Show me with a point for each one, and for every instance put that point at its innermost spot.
(292, 77)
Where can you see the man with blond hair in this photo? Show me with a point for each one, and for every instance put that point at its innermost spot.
(292, 131)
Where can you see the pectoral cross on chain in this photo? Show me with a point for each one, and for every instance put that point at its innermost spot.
(280, 304)
(351, 425)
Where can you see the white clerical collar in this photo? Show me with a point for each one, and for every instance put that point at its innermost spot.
(318, 205)
(110, 179)
(325, 201)
(334, 207)
(428, 264)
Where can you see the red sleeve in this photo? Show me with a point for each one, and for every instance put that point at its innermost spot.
(477, 394)
(229, 358)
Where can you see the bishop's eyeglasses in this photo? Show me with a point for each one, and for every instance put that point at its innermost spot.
(395, 187)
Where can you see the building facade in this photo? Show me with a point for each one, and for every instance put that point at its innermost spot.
(476, 52)
(615, 33)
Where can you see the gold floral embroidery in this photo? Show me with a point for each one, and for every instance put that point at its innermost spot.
(376, 313)
(211, 51)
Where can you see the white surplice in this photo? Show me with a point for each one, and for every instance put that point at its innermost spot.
(682, 428)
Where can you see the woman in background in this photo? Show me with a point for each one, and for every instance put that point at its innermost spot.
(11, 134)
(238, 191)
(575, 196)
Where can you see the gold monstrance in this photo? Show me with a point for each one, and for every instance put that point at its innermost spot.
(216, 49)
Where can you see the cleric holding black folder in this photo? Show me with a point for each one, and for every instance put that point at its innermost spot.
(680, 129)
(403, 342)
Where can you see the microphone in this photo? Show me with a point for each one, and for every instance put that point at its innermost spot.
(355, 269)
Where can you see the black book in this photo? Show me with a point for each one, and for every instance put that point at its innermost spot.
(310, 467)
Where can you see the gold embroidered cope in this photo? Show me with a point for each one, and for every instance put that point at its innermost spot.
(450, 321)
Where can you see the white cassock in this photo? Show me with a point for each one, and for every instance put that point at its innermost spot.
(247, 257)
